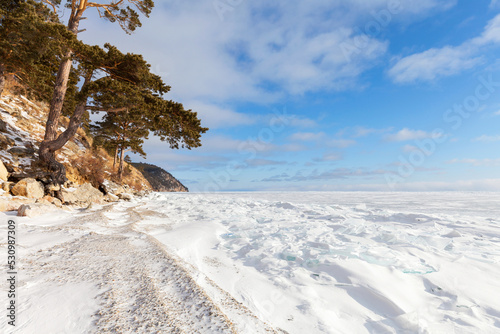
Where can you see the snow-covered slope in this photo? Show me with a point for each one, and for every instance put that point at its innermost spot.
(25, 127)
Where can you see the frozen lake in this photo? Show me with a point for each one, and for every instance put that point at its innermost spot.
(263, 263)
(346, 261)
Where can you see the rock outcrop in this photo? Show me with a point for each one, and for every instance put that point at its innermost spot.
(160, 179)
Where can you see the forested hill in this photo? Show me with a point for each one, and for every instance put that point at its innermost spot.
(160, 179)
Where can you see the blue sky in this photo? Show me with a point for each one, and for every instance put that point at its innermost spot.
(327, 95)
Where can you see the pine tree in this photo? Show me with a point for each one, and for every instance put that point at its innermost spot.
(30, 46)
(114, 11)
(121, 132)
(123, 86)
(133, 111)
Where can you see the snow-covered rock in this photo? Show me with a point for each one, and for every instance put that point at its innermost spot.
(50, 200)
(110, 187)
(36, 209)
(111, 198)
(28, 187)
(125, 196)
(13, 204)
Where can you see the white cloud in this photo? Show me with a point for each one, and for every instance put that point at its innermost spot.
(210, 143)
(491, 33)
(260, 47)
(341, 143)
(291, 148)
(433, 63)
(408, 134)
(448, 60)
(361, 131)
(264, 162)
(215, 117)
(487, 139)
(334, 156)
(410, 148)
(476, 162)
(301, 122)
(337, 173)
(307, 136)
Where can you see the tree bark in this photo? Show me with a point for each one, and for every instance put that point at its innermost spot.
(115, 157)
(50, 144)
(48, 148)
(2, 78)
(120, 168)
(57, 101)
(61, 86)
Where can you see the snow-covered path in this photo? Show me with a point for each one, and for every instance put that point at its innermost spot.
(124, 280)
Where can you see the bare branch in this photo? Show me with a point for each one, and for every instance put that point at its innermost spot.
(113, 110)
(48, 2)
(98, 5)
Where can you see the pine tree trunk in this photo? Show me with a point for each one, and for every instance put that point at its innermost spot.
(2, 78)
(61, 85)
(115, 158)
(48, 148)
(120, 168)
(57, 101)
(50, 144)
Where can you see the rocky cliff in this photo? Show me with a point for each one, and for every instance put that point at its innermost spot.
(159, 179)
(26, 187)
(22, 126)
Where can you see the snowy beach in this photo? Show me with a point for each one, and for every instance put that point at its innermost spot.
(321, 262)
